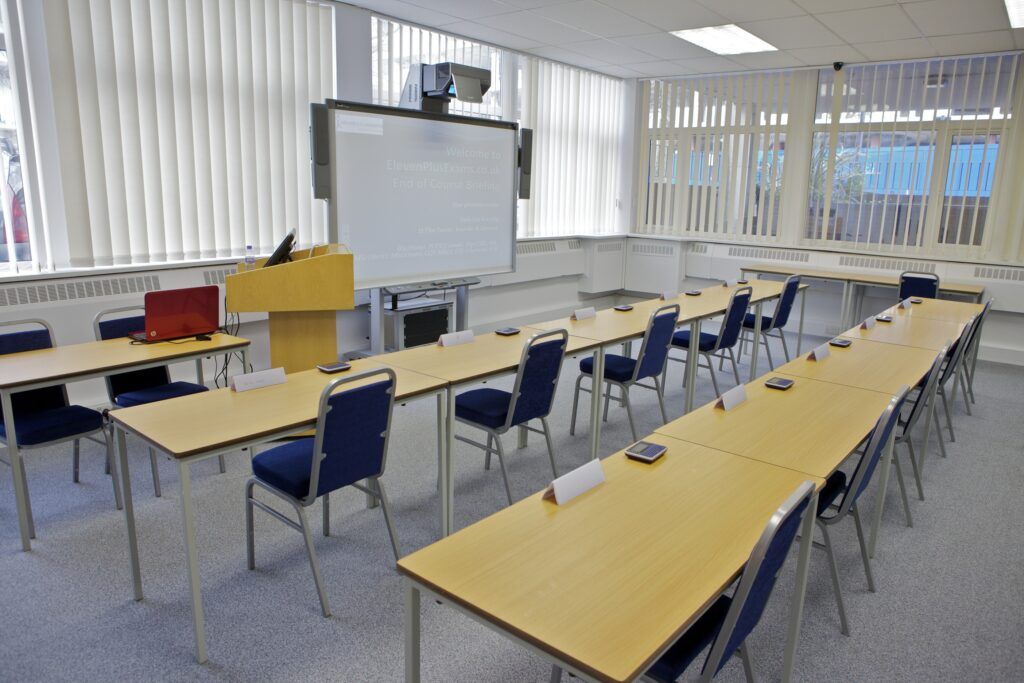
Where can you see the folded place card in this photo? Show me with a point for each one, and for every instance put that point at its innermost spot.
(455, 338)
(669, 294)
(867, 324)
(584, 313)
(819, 353)
(906, 303)
(579, 481)
(732, 398)
(256, 380)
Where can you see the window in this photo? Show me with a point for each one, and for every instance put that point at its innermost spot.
(15, 239)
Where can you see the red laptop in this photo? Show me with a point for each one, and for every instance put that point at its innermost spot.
(177, 313)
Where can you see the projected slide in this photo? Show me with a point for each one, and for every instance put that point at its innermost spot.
(419, 199)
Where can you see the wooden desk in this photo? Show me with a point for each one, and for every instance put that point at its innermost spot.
(866, 364)
(937, 309)
(91, 360)
(923, 333)
(486, 356)
(200, 426)
(602, 585)
(812, 427)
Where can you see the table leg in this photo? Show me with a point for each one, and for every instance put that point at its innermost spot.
(883, 484)
(24, 505)
(412, 632)
(245, 359)
(796, 611)
(188, 518)
(448, 480)
(692, 359)
(800, 330)
(440, 440)
(596, 396)
(757, 341)
(129, 512)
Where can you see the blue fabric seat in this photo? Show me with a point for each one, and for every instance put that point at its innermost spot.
(671, 665)
(617, 368)
(483, 406)
(707, 340)
(54, 423)
(287, 468)
(750, 320)
(161, 392)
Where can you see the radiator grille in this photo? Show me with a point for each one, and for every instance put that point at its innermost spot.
(73, 290)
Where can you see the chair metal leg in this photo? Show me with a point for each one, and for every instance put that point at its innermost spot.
(660, 390)
(109, 442)
(76, 449)
(735, 367)
(487, 454)
(556, 674)
(916, 468)
(551, 450)
(222, 464)
(835, 579)
(153, 465)
(607, 399)
(785, 349)
(575, 404)
(250, 542)
(767, 350)
(903, 488)
(385, 507)
(314, 563)
(748, 666)
(504, 472)
(326, 505)
(714, 380)
(629, 412)
(963, 388)
(863, 548)
(949, 417)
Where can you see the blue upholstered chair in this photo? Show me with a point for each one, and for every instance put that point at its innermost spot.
(727, 623)
(970, 359)
(351, 444)
(922, 285)
(625, 372)
(43, 417)
(496, 411)
(137, 387)
(837, 500)
(952, 375)
(920, 400)
(718, 345)
(774, 322)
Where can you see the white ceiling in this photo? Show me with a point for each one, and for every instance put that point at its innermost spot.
(629, 38)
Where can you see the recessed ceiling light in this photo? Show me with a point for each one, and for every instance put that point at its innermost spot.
(732, 40)
(1015, 10)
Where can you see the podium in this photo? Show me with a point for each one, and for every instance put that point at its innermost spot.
(301, 297)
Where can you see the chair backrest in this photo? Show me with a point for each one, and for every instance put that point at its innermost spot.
(955, 352)
(928, 387)
(920, 284)
(876, 445)
(735, 312)
(36, 400)
(758, 578)
(537, 378)
(352, 429)
(979, 321)
(657, 341)
(789, 289)
(116, 328)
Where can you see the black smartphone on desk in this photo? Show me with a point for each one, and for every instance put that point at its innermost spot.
(645, 451)
(780, 383)
(507, 331)
(331, 368)
(624, 308)
(840, 342)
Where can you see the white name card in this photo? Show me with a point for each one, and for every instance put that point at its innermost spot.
(732, 398)
(867, 324)
(819, 353)
(455, 338)
(584, 313)
(906, 303)
(257, 380)
(575, 483)
(669, 294)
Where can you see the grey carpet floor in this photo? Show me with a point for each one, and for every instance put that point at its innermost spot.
(949, 606)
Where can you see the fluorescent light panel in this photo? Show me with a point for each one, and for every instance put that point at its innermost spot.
(1015, 10)
(730, 39)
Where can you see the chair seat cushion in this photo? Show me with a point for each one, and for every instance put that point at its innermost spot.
(616, 368)
(160, 392)
(707, 340)
(286, 467)
(54, 423)
(834, 487)
(671, 665)
(749, 320)
(487, 407)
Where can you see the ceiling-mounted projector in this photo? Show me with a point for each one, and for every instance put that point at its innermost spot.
(430, 87)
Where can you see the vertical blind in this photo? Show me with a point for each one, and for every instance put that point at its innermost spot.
(183, 124)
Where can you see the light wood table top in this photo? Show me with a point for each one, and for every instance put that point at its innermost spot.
(866, 365)
(486, 355)
(857, 277)
(811, 427)
(607, 580)
(937, 309)
(923, 333)
(189, 425)
(81, 360)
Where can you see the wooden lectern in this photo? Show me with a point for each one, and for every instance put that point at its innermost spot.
(302, 297)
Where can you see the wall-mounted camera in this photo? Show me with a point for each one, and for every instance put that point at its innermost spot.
(838, 66)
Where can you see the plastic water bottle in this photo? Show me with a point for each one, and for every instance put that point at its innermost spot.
(250, 257)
